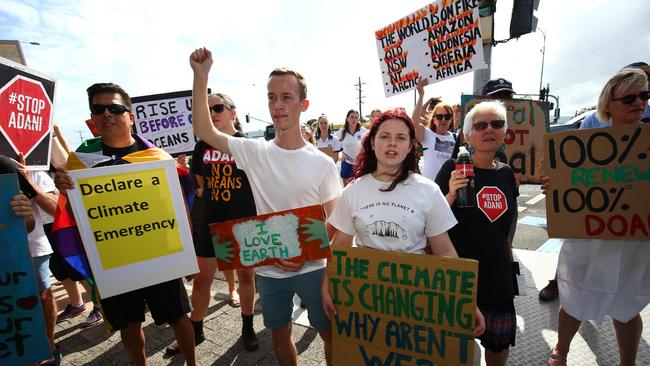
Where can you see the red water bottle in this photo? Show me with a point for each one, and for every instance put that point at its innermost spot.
(465, 196)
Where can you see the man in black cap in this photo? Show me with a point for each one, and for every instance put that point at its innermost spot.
(498, 88)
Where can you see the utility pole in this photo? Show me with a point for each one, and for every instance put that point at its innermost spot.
(360, 96)
(543, 50)
(81, 136)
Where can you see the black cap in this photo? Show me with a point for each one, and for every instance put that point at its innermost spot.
(496, 86)
(638, 65)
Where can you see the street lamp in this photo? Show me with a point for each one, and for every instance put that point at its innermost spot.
(543, 50)
(32, 43)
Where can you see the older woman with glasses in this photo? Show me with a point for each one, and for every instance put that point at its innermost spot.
(607, 277)
(487, 237)
(437, 141)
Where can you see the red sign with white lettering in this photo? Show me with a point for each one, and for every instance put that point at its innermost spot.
(25, 111)
(492, 202)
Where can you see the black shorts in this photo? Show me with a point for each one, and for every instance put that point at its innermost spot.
(167, 302)
(203, 241)
(60, 268)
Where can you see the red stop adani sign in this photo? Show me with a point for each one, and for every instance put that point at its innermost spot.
(492, 202)
(26, 105)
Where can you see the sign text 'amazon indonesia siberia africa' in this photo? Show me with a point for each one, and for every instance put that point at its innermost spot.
(438, 41)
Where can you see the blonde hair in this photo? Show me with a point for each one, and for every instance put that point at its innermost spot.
(623, 80)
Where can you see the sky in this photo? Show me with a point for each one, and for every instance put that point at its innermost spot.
(144, 46)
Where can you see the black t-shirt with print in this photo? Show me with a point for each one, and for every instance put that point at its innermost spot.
(477, 237)
(227, 193)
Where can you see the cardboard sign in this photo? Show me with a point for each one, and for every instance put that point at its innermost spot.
(528, 121)
(296, 235)
(437, 42)
(23, 340)
(600, 183)
(26, 109)
(402, 309)
(133, 224)
(166, 121)
(329, 152)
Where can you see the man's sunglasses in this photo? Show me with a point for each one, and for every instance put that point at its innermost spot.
(629, 99)
(497, 124)
(112, 108)
(218, 108)
(443, 116)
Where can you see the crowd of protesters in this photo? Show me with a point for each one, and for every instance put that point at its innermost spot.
(376, 163)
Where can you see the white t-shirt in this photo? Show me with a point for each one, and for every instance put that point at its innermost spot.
(399, 220)
(286, 179)
(438, 150)
(351, 145)
(38, 243)
(332, 142)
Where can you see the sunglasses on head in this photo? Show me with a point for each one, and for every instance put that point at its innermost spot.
(443, 116)
(112, 108)
(218, 108)
(629, 99)
(497, 124)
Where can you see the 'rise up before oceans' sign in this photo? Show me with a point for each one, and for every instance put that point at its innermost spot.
(402, 309)
(438, 41)
(133, 224)
(166, 120)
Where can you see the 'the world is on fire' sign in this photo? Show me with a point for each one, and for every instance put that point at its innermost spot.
(439, 41)
(402, 309)
(296, 235)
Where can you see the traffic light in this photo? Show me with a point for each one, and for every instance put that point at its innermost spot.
(269, 132)
(523, 21)
(248, 119)
(543, 94)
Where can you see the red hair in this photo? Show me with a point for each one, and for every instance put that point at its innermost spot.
(367, 160)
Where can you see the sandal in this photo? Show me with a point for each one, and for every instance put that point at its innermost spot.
(556, 359)
(234, 301)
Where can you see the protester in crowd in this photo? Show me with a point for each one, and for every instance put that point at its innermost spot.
(212, 167)
(593, 121)
(457, 113)
(387, 173)
(485, 238)
(374, 114)
(272, 167)
(550, 291)
(498, 89)
(587, 290)
(437, 141)
(324, 136)
(350, 137)
(308, 134)
(111, 114)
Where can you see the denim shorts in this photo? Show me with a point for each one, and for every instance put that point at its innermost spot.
(42, 272)
(277, 299)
